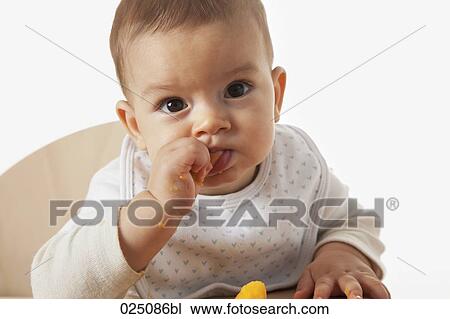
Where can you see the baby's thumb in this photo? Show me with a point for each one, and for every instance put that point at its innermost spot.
(305, 286)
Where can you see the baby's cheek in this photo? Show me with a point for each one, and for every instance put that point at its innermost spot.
(256, 134)
(260, 143)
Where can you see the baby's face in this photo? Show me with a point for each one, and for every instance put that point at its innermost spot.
(213, 83)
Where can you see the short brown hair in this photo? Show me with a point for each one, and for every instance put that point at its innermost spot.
(136, 17)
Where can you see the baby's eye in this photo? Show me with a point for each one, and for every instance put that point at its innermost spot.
(172, 105)
(237, 89)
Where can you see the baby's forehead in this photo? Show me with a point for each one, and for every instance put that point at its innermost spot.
(219, 35)
(221, 49)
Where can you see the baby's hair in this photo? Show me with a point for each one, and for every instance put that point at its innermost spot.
(137, 17)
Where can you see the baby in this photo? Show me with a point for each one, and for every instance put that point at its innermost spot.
(201, 114)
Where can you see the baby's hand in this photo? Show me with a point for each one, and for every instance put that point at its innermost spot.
(178, 171)
(339, 269)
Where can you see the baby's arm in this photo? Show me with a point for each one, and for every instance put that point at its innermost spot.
(141, 243)
(85, 261)
(105, 260)
(365, 237)
(345, 259)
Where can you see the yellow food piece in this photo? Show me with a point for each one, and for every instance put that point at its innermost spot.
(253, 290)
(347, 292)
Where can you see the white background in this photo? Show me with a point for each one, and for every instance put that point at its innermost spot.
(383, 128)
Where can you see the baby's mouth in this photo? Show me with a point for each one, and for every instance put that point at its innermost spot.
(220, 161)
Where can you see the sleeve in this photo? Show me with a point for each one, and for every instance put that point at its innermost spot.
(86, 261)
(365, 237)
(132, 294)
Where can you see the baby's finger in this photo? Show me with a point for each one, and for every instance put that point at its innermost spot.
(324, 286)
(373, 287)
(350, 286)
(196, 177)
(196, 155)
(201, 175)
(305, 286)
(387, 290)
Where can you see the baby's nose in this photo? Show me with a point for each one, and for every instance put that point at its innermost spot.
(211, 124)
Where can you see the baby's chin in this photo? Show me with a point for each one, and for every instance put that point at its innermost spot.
(226, 182)
(222, 184)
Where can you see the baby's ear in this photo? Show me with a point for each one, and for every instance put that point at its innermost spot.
(127, 117)
(279, 84)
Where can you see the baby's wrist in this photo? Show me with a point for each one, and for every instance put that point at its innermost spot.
(335, 245)
(166, 220)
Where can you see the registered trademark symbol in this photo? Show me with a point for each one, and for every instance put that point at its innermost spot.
(392, 203)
